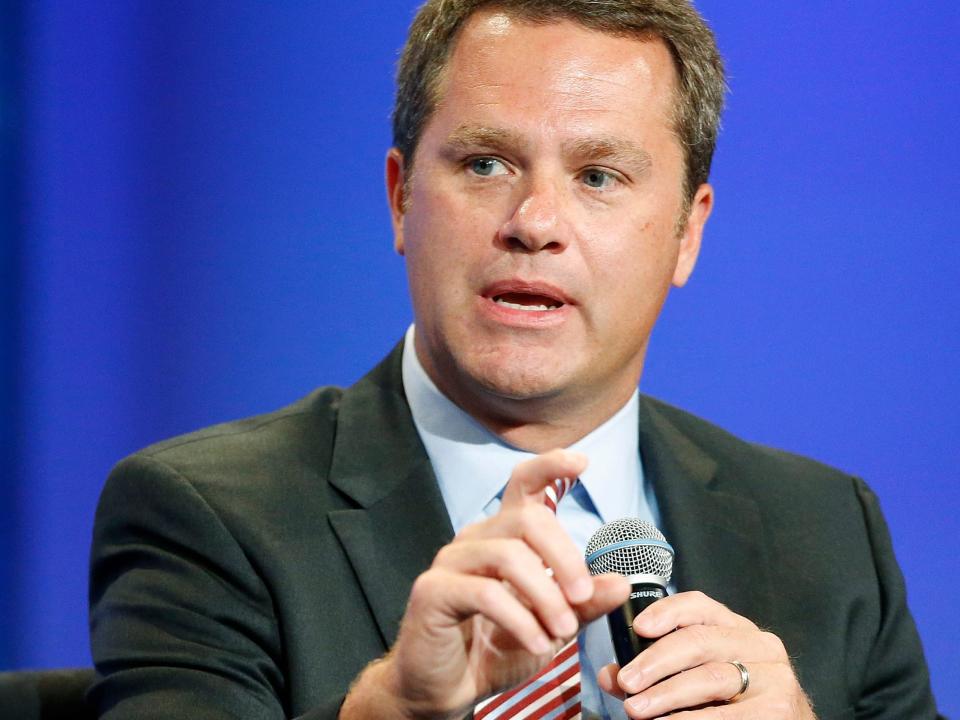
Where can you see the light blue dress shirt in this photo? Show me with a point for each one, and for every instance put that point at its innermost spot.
(472, 466)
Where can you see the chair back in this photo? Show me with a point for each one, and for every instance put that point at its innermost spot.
(46, 694)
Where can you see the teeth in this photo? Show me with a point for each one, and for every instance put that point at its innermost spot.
(517, 306)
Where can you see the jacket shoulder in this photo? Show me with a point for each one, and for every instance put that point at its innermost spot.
(753, 463)
(281, 453)
(309, 414)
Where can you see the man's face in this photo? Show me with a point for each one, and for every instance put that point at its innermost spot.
(540, 222)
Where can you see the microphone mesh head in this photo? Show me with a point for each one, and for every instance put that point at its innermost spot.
(630, 547)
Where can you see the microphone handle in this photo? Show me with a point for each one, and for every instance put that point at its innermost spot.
(626, 643)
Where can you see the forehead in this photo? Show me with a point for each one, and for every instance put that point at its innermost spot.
(499, 58)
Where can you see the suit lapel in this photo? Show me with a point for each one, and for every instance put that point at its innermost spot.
(716, 530)
(400, 521)
(380, 464)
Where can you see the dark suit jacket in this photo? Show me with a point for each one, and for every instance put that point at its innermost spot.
(252, 569)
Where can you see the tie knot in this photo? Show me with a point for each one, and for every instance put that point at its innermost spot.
(556, 490)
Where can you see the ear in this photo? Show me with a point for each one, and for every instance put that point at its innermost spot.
(692, 233)
(395, 188)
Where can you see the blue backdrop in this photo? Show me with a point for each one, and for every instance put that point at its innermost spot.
(194, 229)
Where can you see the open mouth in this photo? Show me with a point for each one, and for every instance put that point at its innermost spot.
(528, 302)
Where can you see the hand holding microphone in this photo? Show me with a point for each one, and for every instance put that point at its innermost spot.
(686, 652)
(638, 551)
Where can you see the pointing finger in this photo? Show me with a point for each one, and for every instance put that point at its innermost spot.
(531, 477)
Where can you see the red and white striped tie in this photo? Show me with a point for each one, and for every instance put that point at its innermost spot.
(554, 692)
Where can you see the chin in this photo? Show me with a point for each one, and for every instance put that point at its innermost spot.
(514, 386)
(520, 376)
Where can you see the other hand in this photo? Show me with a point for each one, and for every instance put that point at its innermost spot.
(689, 671)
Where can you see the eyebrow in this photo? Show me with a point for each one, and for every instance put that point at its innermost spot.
(619, 151)
(471, 136)
(589, 149)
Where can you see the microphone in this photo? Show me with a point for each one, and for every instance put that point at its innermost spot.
(636, 549)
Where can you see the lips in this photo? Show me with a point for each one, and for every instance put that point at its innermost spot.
(526, 296)
(520, 301)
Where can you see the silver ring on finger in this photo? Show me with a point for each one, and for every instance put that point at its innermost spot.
(744, 679)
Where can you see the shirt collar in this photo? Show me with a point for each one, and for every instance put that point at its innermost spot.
(472, 464)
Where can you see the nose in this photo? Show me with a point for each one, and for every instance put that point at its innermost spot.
(538, 222)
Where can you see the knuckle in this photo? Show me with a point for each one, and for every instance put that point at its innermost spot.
(424, 588)
(496, 549)
(699, 596)
(512, 559)
(513, 548)
(747, 624)
(442, 557)
(708, 603)
(525, 520)
(783, 674)
(701, 638)
(489, 593)
(510, 519)
(532, 517)
(774, 645)
(468, 533)
(717, 673)
(700, 634)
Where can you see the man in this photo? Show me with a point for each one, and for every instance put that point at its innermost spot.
(548, 185)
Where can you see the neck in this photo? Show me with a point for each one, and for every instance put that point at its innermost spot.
(539, 424)
(533, 422)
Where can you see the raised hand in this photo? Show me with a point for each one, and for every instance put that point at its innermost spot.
(492, 609)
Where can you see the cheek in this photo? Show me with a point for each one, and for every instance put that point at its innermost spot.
(643, 254)
(448, 232)
(635, 272)
(426, 233)
(437, 257)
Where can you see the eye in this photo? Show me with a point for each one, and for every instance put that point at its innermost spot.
(597, 178)
(487, 166)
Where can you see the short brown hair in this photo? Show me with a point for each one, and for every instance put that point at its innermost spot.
(701, 84)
